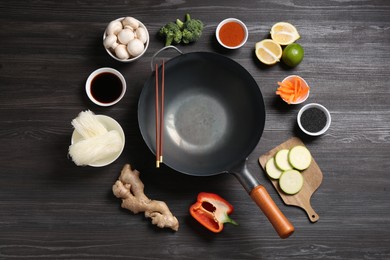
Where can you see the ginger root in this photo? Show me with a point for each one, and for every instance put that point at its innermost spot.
(130, 189)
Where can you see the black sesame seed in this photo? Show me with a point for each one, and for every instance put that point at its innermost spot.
(313, 120)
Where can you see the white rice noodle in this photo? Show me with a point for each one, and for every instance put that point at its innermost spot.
(93, 149)
(87, 125)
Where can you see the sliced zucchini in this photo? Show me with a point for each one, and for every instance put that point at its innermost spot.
(271, 169)
(299, 157)
(291, 182)
(281, 160)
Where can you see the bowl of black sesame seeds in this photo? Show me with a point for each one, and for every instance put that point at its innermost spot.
(314, 119)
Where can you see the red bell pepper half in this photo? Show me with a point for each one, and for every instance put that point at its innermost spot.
(212, 211)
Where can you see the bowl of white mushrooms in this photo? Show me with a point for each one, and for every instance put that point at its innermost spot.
(126, 39)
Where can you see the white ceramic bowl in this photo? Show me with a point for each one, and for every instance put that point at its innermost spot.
(320, 107)
(305, 85)
(227, 20)
(131, 59)
(110, 124)
(90, 79)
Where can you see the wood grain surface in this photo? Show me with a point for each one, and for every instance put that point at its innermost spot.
(52, 209)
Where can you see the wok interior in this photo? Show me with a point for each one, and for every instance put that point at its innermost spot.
(213, 115)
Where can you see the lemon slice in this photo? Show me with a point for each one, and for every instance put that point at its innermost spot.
(268, 51)
(284, 33)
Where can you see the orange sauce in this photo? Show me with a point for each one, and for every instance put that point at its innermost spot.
(231, 34)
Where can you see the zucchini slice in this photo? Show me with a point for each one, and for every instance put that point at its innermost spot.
(281, 160)
(271, 169)
(299, 157)
(291, 182)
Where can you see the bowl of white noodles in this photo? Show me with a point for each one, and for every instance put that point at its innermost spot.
(97, 140)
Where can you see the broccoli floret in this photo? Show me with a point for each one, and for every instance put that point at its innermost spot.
(191, 29)
(172, 33)
(180, 24)
(188, 31)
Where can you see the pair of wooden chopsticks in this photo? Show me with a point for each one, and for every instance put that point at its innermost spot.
(159, 116)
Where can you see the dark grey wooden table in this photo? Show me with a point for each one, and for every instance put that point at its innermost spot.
(52, 209)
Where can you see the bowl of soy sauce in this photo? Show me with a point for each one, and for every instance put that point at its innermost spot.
(105, 86)
(314, 119)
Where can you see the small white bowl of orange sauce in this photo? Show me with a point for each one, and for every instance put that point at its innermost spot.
(231, 33)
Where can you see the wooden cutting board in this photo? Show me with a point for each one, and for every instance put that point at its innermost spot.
(312, 180)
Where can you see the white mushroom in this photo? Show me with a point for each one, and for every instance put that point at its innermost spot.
(130, 22)
(125, 36)
(114, 27)
(121, 52)
(110, 42)
(141, 34)
(135, 47)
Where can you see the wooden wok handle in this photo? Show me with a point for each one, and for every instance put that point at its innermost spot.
(281, 224)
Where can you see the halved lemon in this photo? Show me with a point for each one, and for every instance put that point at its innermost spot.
(284, 33)
(268, 51)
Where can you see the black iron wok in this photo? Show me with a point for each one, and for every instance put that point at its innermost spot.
(214, 117)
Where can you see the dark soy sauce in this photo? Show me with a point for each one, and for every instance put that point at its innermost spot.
(106, 87)
(313, 119)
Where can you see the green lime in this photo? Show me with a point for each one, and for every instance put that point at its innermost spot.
(293, 54)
